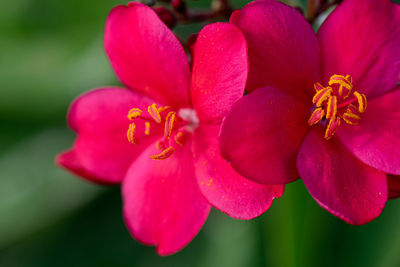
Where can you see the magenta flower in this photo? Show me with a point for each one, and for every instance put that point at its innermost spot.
(330, 113)
(160, 137)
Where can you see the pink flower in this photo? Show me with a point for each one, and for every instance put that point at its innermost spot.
(330, 113)
(160, 137)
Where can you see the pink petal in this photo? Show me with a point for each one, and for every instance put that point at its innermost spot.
(339, 182)
(219, 70)
(261, 134)
(163, 205)
(146, 55)
(361, 38)
(102, 152)
(70, 161)
(224, 188)
(283, 48)
(376, 140)
(394, 186)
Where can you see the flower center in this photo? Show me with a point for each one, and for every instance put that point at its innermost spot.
(337, 102)
(176, 127)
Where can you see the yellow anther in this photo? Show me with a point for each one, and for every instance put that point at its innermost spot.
(362, 101)
(334, 123)
(343, 82)
(316, 116)
(350, 112)
(166, 153)
(169, 124)
(349, 79)
(321, 96)
(318, 87)
(352, 109)
(131, 133)
(351, 118)
(338, 79)
(161, 109)
(332, 107)
(147, 128)
(134, 113)
(159, 115)
(352, 115)
(334, 103)
(180, 139)
(154, 113)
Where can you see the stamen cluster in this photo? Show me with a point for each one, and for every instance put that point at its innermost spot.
(158, 115)
(337, 102)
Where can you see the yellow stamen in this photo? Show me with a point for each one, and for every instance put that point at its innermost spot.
(334, 123)
(316, 116)
(169, 124)
(147, 128)
(336, 78)
(180, 139)
(318, 87)
(131, 133)
(154, 113)
(352, 115)
(332, 107)
(163, 114)
(351, 118)
(321, 96)
(166, 153)
(343, 82)
(362, 101)
(330, 103)
(161, 109)
(134, 113)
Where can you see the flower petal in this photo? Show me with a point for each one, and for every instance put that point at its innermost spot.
(163, 205)
(394, 186)
(146, 55)
(339, 182)
(224, 188)
(70, 161)
(260, 136)
(361, 38)
(102, 152)
(219, 70)
(283, 48)
(376, 139)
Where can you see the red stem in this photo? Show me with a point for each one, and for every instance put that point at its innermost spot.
(347, 103)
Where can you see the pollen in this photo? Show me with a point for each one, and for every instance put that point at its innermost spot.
(147, 126)
(173, 135)
(154, 113)
(169, 124)
(131, 133)
(180, 138)
(336, 103)
(166, 153)
(134, 113)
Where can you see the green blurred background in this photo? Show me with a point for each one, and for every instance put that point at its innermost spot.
(51, 51)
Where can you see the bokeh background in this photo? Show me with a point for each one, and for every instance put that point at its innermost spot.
(50, 52)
